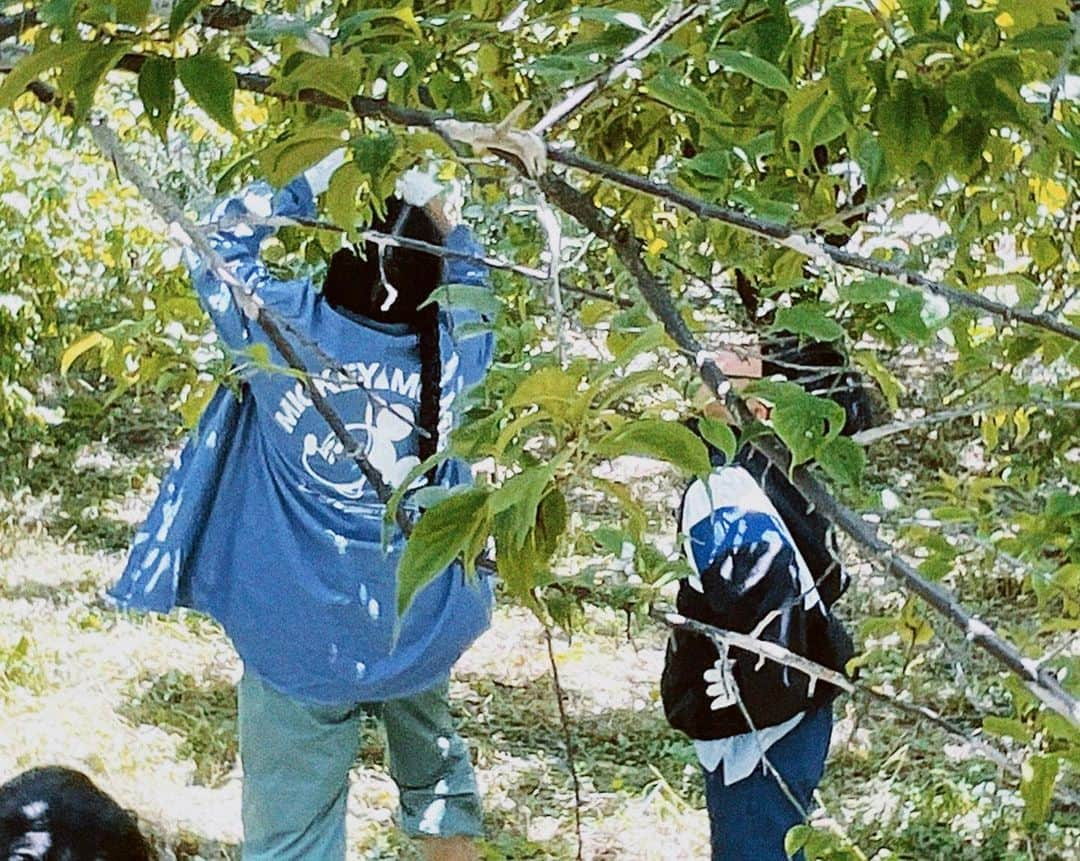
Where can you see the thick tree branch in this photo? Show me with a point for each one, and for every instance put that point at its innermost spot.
(783, 235)
(628, 248)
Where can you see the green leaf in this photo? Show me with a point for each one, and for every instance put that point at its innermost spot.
(1038, 776)
(29, 68)
(755, 68)
(624, 349)
(520, 497)
(666, 87)
(1063, 505)
(82, 77)
(58, 13)
(132, 12)
(211, 83)
(553, 390)
(812, 116)
(713, 163)
(157, 92)
(471, 296)
(372, 153)
(809, 319)
(843, 460)
(1052, 38)
(84, 344)
(441, 534)
(871, 158)
(284, 161)
(805, 423)
(341, 195)
(919, 13)
(594, 311)
(182, 13)
(1010, 727)
(890, 386)
(551, 521)
(872, 291)
(718, 434)
(663, 440)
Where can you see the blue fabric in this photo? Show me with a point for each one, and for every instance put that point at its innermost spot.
(264, 524)
(749, 819)
(297, 757)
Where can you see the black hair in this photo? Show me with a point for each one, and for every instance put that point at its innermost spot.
(354, 284)
(820, 368)
(63, 811)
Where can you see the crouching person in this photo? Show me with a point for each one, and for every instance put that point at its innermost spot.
(57, 814)
(763, 564)
(267, 524)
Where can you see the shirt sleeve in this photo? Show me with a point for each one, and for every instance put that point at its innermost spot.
(475, 347)
(239, 244)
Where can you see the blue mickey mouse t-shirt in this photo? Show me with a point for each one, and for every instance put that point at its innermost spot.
(265, 523)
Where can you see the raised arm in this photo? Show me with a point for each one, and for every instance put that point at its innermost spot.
(238, 227)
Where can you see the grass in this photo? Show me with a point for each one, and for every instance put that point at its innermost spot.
(203, 714)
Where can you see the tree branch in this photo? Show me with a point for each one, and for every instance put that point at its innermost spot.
(775, 232)
(880, 432)
(248, 302)
(781, 234)
(818, 672)
(637, 50)
(628, 248)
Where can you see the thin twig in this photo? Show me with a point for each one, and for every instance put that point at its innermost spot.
(882, 431)
(636, 51)
(386, 239)
(568, 739)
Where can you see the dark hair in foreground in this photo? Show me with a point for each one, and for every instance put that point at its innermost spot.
(354, 284)
(821, 369)
(58, 814)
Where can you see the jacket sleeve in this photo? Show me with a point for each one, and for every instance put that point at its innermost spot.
(239, 243)
(748, 581)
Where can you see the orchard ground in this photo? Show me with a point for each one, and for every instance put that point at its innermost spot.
(146, 705)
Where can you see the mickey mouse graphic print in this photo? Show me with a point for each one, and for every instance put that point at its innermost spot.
(266, 524)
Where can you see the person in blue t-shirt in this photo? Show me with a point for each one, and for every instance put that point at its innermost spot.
(268, 525)
(763, 563)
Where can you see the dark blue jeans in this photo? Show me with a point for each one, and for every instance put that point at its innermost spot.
(749, 819)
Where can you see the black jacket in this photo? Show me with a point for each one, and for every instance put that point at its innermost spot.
(749, 565)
